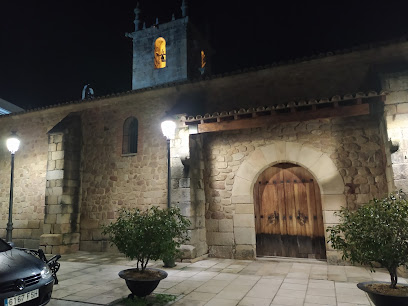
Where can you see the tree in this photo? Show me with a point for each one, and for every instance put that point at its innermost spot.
(146, 235)
(375, 232)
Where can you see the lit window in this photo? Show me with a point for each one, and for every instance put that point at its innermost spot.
(160, 53)
(130, 134)
(203, 62)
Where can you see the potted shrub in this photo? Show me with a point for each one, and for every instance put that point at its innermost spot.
(174, 231)
(376, 233)
(147, 235)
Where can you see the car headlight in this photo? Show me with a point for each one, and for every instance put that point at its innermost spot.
(46, 272)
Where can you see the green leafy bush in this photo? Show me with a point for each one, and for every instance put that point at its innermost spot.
(148, 235)
(375, 233)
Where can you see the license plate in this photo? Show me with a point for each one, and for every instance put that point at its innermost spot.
(22, 298)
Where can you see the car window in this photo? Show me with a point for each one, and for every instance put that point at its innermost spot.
(4, 246)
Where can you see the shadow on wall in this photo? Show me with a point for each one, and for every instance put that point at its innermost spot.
(190, 103)
(385, 70)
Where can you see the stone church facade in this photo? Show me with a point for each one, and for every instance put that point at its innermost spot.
(259, 155)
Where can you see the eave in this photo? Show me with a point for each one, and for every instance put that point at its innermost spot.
(336, 107)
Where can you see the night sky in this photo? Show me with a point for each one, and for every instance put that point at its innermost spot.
(50, 49)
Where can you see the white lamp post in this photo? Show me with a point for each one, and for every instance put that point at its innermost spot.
(12, 145)
(168, 127)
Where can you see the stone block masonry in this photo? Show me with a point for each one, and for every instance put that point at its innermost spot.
(144, 72)
(68, 200)
(187, 188)
(346, 157)
(111, 181)
(396, 117)
(62, 200)
(29, 176)
(48, 189)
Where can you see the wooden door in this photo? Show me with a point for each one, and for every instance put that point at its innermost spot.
(288, 213)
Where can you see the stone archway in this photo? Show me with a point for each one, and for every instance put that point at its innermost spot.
(318, 163)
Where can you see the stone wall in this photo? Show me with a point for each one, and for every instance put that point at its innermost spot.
(29, 175)
(144, 73)
(304, 79)
(110, 180)
(187, 188)
(62, 194)
(396, 117)
(354, 148)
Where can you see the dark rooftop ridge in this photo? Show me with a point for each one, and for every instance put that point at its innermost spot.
(362, 47)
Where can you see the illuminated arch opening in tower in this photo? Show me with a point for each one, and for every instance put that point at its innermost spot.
(160, 53)
(203, 61)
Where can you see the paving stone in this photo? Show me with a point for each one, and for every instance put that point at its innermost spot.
(253, 301)
(56, 302)
(187, 302)
(233, 292)
(225, 276)
(353, 299)
(184, 287)
(200, 296)
(321, 292)
(166, 284)
(292, 293)
(292, 286)
(321, 284)
(203, 276)
(213, 286)
(263, 291)
(301, 275)
(285, 300)
(320, 300)
(221, 302)
(93, 277)
(246, 280)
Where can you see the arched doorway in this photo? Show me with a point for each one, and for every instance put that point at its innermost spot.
(288, 213)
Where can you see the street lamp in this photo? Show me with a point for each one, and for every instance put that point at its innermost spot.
(12, 145)
(168, 127)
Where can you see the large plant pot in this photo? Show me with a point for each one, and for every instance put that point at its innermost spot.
(383, 300)
(169, 262)
(142, 286)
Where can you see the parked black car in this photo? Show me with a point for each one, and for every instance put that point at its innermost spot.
(26, 276)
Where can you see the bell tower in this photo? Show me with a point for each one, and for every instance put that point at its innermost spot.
(168, 52)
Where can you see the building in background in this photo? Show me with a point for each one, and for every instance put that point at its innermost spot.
(261, 161)
(7, 108)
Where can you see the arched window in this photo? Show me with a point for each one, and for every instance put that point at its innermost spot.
(130, 134)
(203, 61)
(160, 53)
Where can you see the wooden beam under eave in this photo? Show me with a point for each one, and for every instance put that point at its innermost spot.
(247, 123)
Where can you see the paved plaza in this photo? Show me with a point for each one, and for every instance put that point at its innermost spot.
(92, 279)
